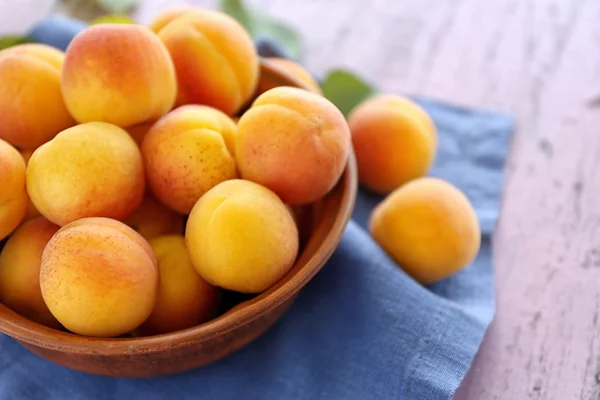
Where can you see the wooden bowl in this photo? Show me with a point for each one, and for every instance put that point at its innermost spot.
(209, 342)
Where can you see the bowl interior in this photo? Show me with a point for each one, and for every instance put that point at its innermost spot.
(321, 226)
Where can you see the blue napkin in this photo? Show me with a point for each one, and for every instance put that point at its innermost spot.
(361, 329)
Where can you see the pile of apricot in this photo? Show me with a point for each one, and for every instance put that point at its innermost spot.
(141, 176)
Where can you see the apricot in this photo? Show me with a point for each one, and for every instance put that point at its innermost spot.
(13, 196)
(294, 142)
(184, 298)
(153, 219)
(394, 140)
(138, 132)
(89, 170)
(241, 237)
(99, 277)
(187, 152)
(428, 227)
(118, 73)
(215, 60)
(295, 70)
(31, 212)
(20, 263)
(167, 15)
(30, 76)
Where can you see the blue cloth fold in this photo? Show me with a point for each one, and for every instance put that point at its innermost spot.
(361, 329)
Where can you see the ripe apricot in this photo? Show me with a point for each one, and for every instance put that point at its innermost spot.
(428, 227)
(167, 15)
(394, 140)
(118, 73)
(32, 109)
(20, 263)
(215, 59)
(13, 196)
(89, 170)
(296, 70)
(32, 212)
(153, 219)
(294, 142)
(241, 237)
(184, 298)
(99, 277)
(186, 153)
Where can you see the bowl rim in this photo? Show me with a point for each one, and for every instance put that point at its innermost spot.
(32, 333)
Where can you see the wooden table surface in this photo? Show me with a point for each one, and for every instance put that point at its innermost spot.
(538, 60)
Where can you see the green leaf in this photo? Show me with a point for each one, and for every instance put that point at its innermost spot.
(117, 6)
(13, 40)
(237, 10)
(261, 25)
(113, 19)
(346, 90)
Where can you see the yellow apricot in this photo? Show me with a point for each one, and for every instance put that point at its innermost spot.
(184, 298)
(167, 15)
(241, 237)
(32, 212)
(428, 227)
(89, 170)
(153, 219)
(32, 109)
(20, 263)
(13, 196)
(215, 58)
